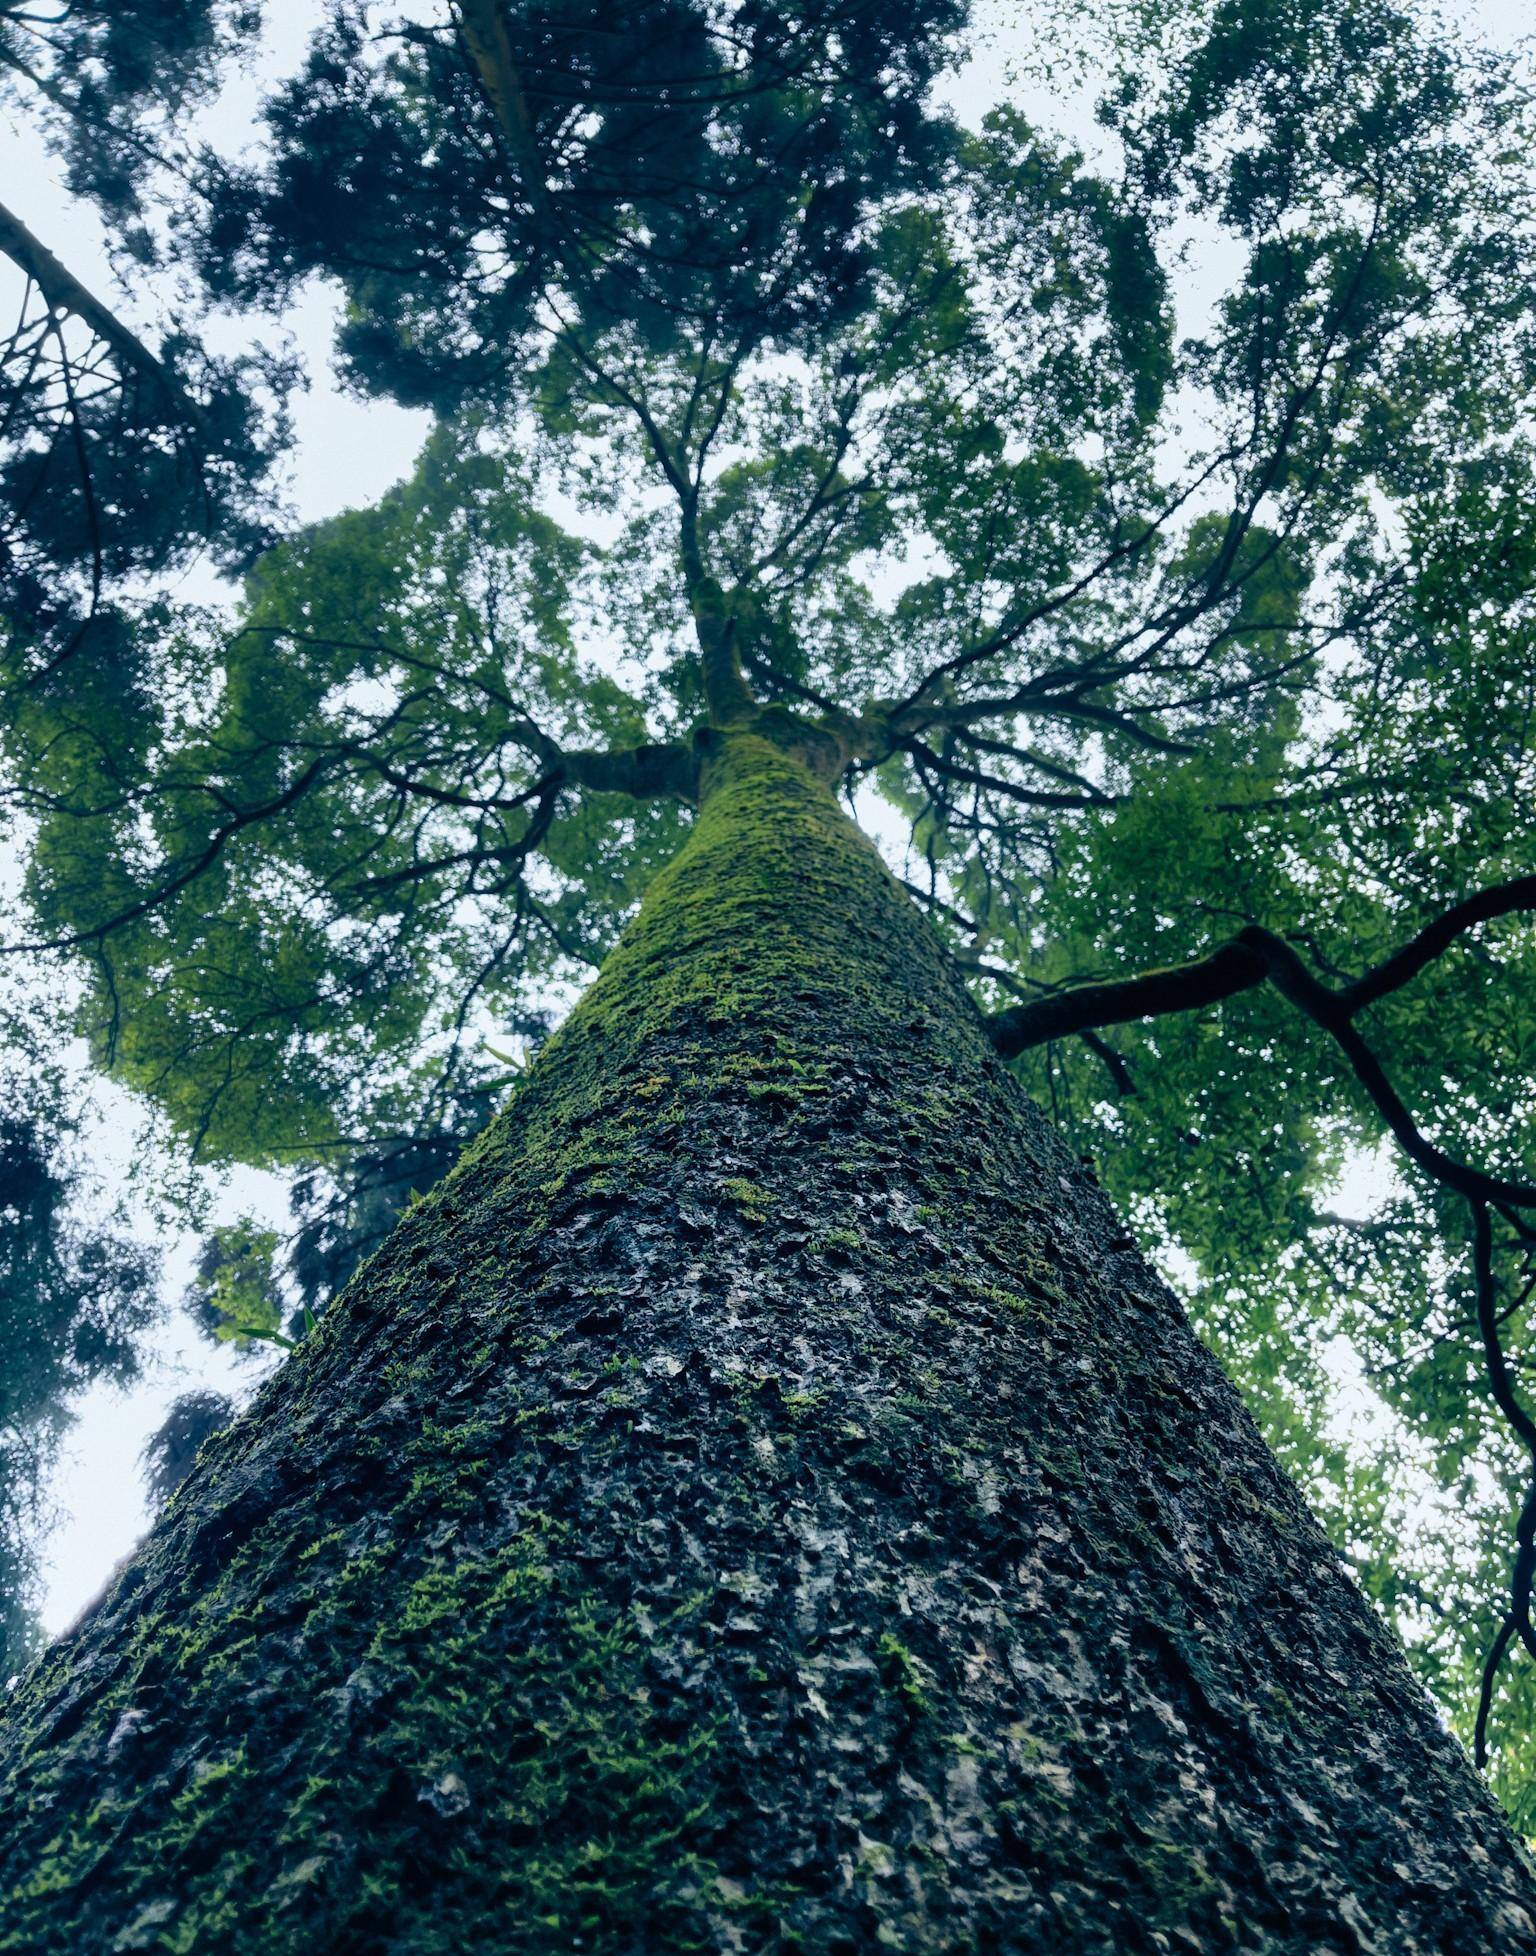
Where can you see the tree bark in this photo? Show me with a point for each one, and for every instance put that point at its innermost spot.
(760, 1501)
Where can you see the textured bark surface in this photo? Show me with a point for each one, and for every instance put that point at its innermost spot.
(762, 1501)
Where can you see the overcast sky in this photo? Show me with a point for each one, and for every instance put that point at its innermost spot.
(347, 452)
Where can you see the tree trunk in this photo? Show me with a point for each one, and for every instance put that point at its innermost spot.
(761, 1501)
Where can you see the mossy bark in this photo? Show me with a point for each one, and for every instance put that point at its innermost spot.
(761, 1501)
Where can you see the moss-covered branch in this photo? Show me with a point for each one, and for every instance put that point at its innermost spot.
(649, 772)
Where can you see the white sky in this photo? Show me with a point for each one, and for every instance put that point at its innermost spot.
(347, 452)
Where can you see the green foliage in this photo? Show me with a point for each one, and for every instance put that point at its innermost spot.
(76, 1296)
(110, 82)
(682, 177)
(387, 666)
(234, 1294)
(120, 455)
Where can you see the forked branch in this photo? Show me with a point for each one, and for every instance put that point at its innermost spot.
(1251, 958)
(64, 293)
(1256, 956)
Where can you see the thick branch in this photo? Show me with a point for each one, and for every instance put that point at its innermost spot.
(1236, 967)
(1114, 1062)
(64, 292)
(483, 30)
(1255, 955)
(726, 692)
(999, 785)
(649, 772)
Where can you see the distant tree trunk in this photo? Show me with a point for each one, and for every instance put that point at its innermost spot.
(760, 1501)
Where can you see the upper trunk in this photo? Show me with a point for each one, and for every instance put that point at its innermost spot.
(761, 1500)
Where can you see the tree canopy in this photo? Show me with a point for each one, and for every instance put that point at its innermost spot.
(122, 454)
(1149, 529)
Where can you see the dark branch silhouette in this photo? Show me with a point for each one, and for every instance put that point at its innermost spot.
(1256, 956)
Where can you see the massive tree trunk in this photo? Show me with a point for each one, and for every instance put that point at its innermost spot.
(762, 1500)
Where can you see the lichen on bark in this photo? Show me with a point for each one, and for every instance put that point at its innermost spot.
(758, 1502)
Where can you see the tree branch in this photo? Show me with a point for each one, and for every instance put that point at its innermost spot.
(1236, 967)
(649, 772)
(63, 291)
(483, 29)
(1256, 955)
(1517, 1620)
(1499, 900)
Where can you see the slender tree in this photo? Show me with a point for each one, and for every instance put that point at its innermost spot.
(77, 1293)
(122, 453)
(761, 1497)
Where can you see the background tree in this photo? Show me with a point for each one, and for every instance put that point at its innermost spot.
(256, 1287)
(173, 1447)
(122, 454)
(77, 1293)
(1193, 652)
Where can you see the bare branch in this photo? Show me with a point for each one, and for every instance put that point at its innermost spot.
(1236, 967)
(1498, 900)
(1255, 955)
(1517, 1621)
(64, 292)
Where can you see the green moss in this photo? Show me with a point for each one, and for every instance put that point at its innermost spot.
(770, 847)
(534, 1614)
(902, 1673)
(753, 1201)
(831, 1240)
